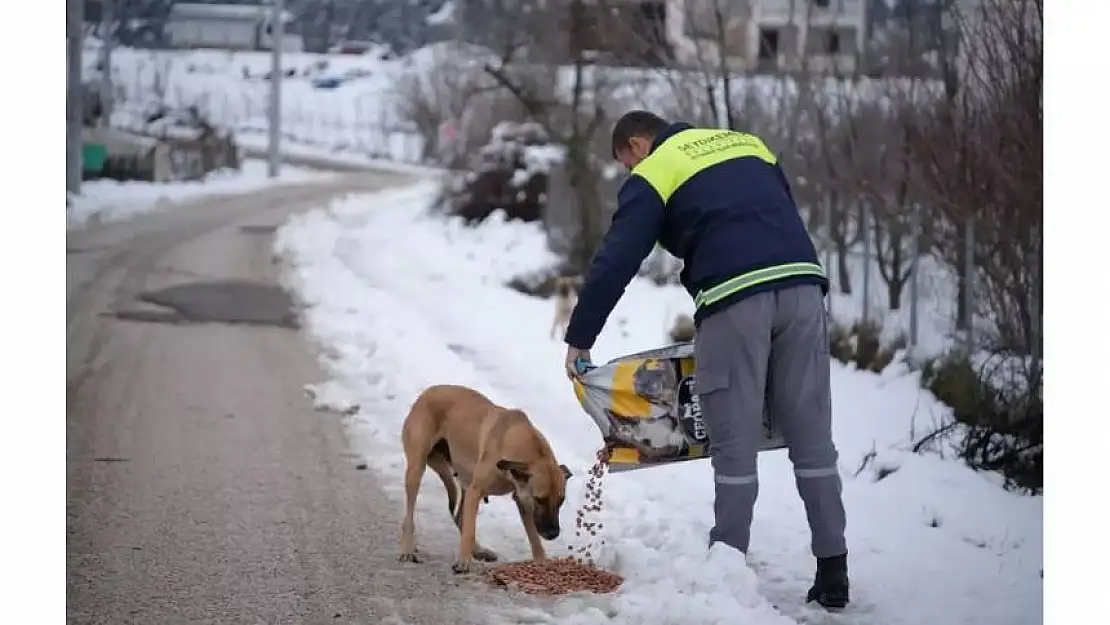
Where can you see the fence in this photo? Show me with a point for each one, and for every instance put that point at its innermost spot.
(938, 308)
(928, 297)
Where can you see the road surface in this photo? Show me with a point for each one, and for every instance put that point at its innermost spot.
(201, 485)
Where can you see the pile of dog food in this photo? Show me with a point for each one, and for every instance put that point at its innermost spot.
(555, 576)
(577, 573)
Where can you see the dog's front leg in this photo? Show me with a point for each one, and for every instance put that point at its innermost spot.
(468, 535)
(528, 519)
(480, 552)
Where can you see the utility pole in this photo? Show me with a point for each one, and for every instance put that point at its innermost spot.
(277, 26)
(915, 265)
(829, 252)
(107, 17)
(969, 285)
(75, 21)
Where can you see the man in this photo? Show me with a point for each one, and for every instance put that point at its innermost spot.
(719, 200)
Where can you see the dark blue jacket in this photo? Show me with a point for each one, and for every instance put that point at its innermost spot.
(732, 223)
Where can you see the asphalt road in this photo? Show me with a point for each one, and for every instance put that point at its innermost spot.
(201, 486)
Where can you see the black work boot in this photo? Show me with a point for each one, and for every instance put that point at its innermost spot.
(830, 586)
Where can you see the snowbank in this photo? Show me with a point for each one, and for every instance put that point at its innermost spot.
(103, 201)
(398, 300)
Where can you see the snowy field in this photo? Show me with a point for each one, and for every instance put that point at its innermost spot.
(359, 114)
(104, 201)
(398, 300)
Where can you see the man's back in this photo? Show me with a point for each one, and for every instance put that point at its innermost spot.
(729, 213)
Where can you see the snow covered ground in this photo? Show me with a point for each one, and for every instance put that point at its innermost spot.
(103, 201)
(399, 300)
(358, 114)
(325, 158)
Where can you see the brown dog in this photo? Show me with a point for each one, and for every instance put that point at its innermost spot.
(566, 296)
(491, 450)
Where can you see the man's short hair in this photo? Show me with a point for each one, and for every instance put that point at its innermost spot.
(636, 124)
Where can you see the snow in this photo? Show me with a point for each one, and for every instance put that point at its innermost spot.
(104, 201)
(330, 159)
(398, 299)
(936, 303)
(231, 90)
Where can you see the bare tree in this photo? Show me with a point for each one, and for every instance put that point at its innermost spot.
(830, 162)
(890, 178)
(716, 31)
(891, 189)
(453, 103)
(533, 39)
(830, 124)
(982, 159)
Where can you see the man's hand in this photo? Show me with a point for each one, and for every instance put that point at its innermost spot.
(571, 364)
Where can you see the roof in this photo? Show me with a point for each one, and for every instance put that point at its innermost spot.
(243, 12)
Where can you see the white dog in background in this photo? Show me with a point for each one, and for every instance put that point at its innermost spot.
(566, 296)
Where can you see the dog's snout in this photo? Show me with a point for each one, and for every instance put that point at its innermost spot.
(548, 527)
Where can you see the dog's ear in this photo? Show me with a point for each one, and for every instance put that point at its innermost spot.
(518, 470)
(566, 472)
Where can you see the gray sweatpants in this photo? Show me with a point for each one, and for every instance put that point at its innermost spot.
(771, 347)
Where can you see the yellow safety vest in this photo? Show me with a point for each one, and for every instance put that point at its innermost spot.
(685, 154)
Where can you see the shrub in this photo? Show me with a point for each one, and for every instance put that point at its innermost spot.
(509, 173)
(862, 344)
(449, 99)
(1000, 415)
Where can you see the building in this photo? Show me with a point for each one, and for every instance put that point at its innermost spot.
(914, 37)
(619, 32)
(824, 36)
(226, 26)
(821, 36)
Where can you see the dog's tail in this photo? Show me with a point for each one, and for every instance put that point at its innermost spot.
(439, 459)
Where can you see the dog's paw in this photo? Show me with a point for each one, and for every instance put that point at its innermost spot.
(463, 566)
(409, 557)
(485, 555)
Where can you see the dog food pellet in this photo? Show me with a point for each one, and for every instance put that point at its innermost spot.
(585, 551)
(556, 576)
